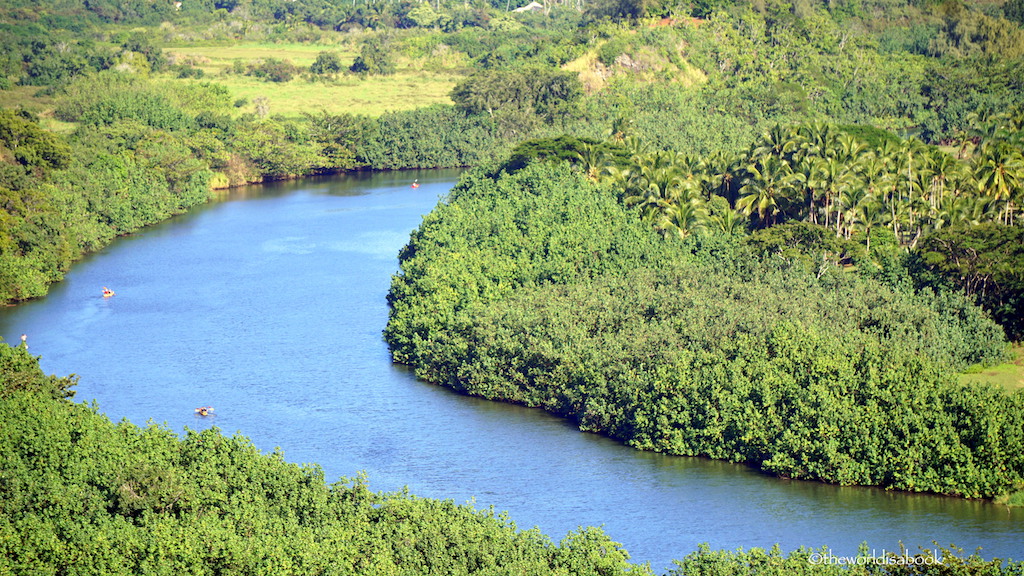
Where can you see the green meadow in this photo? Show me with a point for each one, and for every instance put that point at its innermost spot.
(215, 59)
(403, 91)
(1009, 375)
(29, 98)
(409, 88)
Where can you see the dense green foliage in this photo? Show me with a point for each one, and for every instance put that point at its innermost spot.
(878, 194)
(543, 92)
(686, 123)
(374, 58)
(127, 167)
(823, 174)
(707, 562)
(80, 494)
(541, 289)
(431, 137)
(985, 261)
(768, 270)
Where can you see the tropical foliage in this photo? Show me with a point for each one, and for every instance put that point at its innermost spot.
(82, 494)
(780, 217)
(708, 562)
(986, 262)
(542, 289)
(824, 174)
(881, 199)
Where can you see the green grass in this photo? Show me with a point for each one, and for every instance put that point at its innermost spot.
(1009, 375)
(215, 59)
(407, 89)
(27, 98)
(371, 96)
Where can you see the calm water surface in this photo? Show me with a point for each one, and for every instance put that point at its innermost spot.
(269, 307)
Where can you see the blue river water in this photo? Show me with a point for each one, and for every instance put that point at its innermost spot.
(269, 306)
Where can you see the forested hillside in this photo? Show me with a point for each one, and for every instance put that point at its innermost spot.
(125, 112)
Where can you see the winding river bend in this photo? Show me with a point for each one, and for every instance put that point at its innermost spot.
(269, 307)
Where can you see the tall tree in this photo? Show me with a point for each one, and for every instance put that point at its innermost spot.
(768, 189)
(999, 170)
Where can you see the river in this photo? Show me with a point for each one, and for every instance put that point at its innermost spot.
(269, 307)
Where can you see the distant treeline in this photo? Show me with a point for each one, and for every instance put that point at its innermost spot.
(906, 66)
(543, 289)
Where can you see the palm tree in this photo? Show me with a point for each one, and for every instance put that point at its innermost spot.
(767, 189)
(623, 179)
(868, 214)
(944, 170)
(849, 199)
(960, 209)
(657, 177)
(684, 218)
(818, 139)
(776, 141)
(807, 184)
(621, 128)
(963, 138)
(634, 145)
(834, 176)
(1015, 126)
(999, 170)
(849, 148)
(721, 170)
(985, 125)
(730, 222)
(594, 161)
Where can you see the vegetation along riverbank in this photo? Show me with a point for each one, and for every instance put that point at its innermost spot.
(779, 234)
(81, 494)
(542, 288)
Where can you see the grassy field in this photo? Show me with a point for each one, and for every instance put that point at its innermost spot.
(371, 96)
(216, 59)
(27, 98)
(409, 88)
(1009, 375)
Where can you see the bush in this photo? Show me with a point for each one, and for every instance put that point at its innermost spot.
(273, 70)
(985, 262)
(326, 63)
(375, 58)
